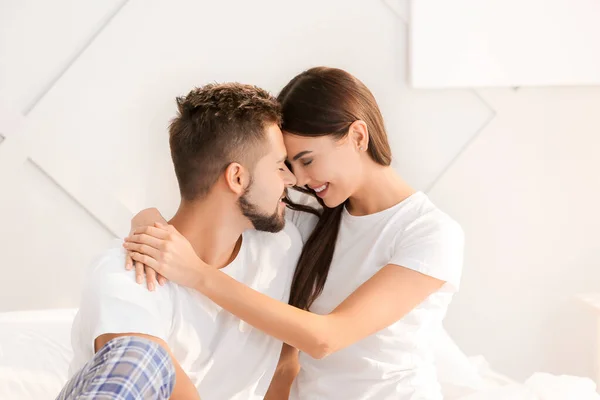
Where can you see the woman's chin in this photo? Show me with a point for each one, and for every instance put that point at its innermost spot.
(332, 202)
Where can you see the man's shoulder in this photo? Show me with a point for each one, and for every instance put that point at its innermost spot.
(109, 286)
(106, 276)
(111, 259)
(112, 302)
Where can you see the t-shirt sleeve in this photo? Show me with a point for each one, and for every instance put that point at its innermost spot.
(432, 245)
(113, 302)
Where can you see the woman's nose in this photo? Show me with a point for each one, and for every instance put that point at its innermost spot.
(289, 179)
(301, 177)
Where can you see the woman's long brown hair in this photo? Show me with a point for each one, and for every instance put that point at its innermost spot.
(318, 102)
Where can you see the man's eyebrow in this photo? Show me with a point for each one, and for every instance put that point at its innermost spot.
(302, 153)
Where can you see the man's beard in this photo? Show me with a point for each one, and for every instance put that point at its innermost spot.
(261, 222)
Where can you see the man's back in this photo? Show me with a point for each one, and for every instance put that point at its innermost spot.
(224, 357)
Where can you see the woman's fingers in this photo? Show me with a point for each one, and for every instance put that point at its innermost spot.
(141, 268)
(158, 233)
(150, 278)
(148, 240)
(142, 243)
(144, 260)
(139, 271)
(143, 248)
(128, 262)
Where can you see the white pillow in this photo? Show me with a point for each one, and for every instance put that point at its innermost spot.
(35, 352)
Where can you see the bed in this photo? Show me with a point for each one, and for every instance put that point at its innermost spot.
(35, 352)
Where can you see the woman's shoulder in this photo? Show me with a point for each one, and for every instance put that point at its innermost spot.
(429, 241)
(423, 217)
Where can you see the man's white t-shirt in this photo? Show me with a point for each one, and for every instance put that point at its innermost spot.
(224, 357)
(395, 363)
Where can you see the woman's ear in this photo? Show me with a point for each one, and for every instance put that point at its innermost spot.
(359, 135)
(236, 178)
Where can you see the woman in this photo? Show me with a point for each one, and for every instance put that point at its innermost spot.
(377, 272)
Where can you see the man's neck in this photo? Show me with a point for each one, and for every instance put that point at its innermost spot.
(213, 230)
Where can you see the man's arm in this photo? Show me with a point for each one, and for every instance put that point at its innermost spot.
(287, 369)
(184, 389)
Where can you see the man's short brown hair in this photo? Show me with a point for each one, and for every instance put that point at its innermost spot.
(218, 124)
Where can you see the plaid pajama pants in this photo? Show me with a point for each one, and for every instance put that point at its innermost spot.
(126, 368)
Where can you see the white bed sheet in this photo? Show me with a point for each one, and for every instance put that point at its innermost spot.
(540, 386)
(35, 351)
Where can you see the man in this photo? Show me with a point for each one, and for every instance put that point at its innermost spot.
(129, 342)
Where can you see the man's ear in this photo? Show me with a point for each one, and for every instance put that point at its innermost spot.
(236, 178)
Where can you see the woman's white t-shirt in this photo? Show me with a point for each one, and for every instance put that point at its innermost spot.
(396, 362)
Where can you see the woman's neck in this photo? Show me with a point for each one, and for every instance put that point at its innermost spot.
(382, 188)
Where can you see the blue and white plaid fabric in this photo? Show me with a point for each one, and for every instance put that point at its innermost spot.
(126, 368)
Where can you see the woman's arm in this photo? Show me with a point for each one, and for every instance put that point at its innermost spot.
(382, 300)
(379, 302)
(287, 369)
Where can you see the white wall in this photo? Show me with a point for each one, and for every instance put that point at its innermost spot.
(92, 149)
(38, 39)
(503, 43)
(527, 194)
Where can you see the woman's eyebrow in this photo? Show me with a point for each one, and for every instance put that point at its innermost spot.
(302, 153)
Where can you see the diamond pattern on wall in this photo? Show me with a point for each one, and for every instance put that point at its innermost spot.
(43, 38)
(399, 7)
(99, 132)
(430, 130)
(46, 239)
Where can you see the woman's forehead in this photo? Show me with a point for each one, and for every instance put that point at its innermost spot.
(296, 144)
(297, 141)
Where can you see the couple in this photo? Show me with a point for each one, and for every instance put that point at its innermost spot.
(368, 270)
